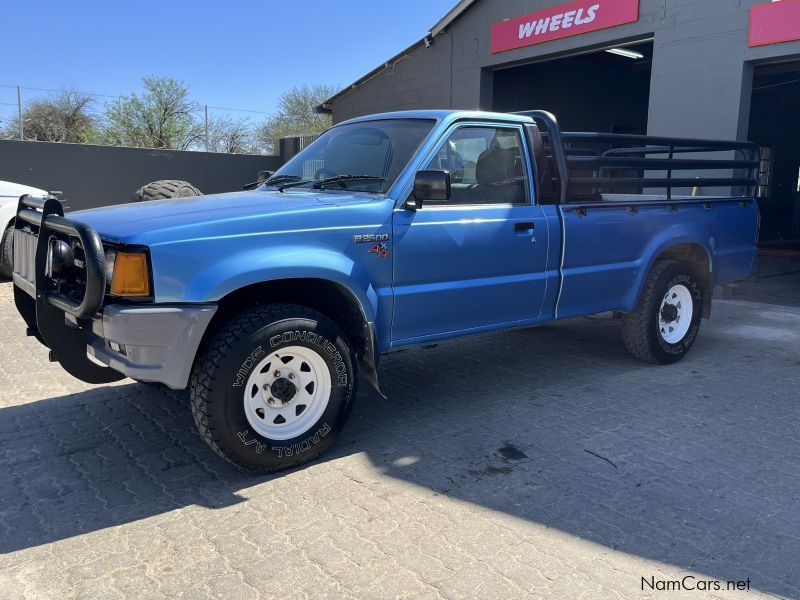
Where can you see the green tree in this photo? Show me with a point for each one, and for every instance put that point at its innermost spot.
(296, 115)
(64, 118)
(163, 116)
(233, 136)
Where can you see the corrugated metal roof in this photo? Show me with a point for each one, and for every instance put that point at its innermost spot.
(438, 28)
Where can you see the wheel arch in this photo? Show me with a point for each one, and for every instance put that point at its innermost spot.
(698, 255)
(330, 298)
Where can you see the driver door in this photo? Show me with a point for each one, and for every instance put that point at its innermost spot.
(478, 260)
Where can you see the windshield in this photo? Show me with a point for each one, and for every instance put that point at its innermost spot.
(363, 157)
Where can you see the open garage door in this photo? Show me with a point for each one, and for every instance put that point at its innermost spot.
(606, 91)
(775, 124)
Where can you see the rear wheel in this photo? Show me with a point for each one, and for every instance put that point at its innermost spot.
(6, 251)
(166, 188)
(273, 388)
(665, 324)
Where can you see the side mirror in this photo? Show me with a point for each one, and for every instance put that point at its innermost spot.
(429, 186)
(264, 175)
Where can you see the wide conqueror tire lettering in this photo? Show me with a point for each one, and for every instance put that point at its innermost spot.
(273, 387)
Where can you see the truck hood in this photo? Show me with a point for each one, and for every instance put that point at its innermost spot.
(160, 221)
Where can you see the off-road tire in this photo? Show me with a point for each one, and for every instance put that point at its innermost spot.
(6, 251)
(166, 188)
(640, 328)
(229, 358)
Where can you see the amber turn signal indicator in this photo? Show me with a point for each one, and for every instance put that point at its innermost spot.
(130, 275)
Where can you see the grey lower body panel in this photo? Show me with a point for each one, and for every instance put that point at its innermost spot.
(151, 343)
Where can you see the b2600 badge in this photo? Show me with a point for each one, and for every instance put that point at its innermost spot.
(379, 241)
(371, 238)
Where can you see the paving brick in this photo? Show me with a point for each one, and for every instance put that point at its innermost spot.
(459, 485)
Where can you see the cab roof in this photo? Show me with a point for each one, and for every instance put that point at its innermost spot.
(442, 116)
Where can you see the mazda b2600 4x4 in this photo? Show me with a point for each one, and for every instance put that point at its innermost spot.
(388, 231)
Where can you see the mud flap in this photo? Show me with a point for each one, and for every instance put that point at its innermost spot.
(367, 362)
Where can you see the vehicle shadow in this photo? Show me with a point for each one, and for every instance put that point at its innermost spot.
(694, 465)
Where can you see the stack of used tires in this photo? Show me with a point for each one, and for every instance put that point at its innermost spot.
(166, 188)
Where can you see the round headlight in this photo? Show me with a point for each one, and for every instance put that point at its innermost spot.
(59, 256)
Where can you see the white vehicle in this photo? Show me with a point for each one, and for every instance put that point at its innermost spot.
(9, 196)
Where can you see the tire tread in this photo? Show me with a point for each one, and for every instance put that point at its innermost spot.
(164, 189)
(6, 251)
(212, 354)
(635, 324)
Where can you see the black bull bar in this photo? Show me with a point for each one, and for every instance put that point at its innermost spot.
(39, 225)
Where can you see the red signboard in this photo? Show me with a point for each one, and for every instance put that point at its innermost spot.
(774, 22)
(563, 21)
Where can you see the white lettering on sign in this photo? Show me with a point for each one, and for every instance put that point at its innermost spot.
(557, 22)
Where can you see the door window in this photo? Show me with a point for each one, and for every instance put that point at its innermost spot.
(487, 165)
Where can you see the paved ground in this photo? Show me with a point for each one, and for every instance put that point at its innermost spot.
(777, 282)
(540, 463)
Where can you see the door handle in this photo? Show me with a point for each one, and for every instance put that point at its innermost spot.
(524, 227)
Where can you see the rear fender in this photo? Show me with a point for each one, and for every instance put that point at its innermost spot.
(658, 247)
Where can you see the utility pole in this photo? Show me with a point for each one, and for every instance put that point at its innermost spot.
(206, 106)
(19, 110)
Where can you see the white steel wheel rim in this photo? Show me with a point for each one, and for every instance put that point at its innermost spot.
(267, 405)
(675, 314)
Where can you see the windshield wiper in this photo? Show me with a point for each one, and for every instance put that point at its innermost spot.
(276, 179)
(342, 178)
(286, 181)
(295, 181)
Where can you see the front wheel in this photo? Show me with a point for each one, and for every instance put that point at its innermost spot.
(273, 388)
(664, 325)
(6, 252)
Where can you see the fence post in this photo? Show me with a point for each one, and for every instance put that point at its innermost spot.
(206, 127)
(19, 111)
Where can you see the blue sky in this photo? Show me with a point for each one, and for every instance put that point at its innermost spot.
(238, 53)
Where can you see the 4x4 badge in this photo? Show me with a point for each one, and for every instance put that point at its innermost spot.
(381, 249)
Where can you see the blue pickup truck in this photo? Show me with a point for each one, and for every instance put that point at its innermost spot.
(388, 232)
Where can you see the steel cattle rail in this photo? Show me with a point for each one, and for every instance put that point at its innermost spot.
(635, 153)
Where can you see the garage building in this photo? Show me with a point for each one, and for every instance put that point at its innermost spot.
(689, 68)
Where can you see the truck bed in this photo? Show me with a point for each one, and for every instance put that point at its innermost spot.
(624, 200)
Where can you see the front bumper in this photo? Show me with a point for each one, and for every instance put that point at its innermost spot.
(93, 342)
(150, 343)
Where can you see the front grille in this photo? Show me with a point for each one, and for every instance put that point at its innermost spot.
(25, 260)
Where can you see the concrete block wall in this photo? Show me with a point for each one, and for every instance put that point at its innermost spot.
(90, 176)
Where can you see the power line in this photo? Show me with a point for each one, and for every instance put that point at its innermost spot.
(258, 112)
(38, 89)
